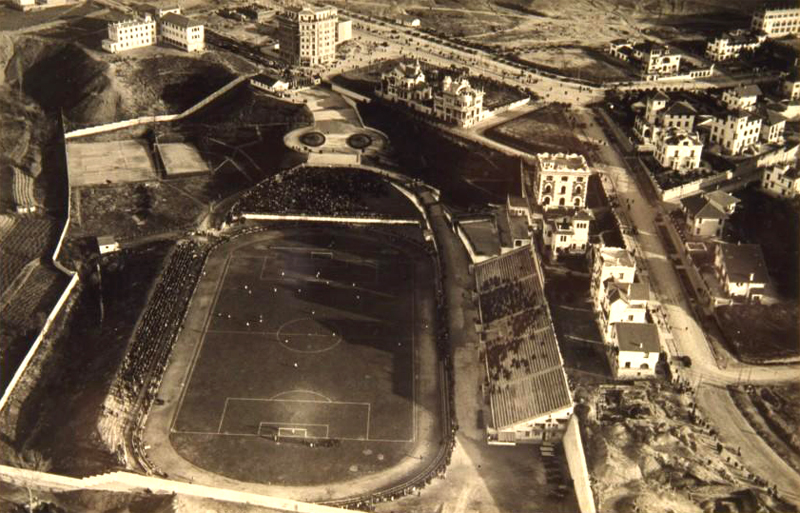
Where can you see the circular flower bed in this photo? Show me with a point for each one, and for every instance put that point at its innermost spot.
(359, 141)
(313, 139)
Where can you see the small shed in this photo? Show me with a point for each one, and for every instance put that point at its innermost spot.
(107, 244)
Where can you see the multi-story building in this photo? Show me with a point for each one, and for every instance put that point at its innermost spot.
(406, 83)
(732, 44)
(773, 125)
(307, 35)
(634, 351)
(735, 131)
(791, 88)
(741, 270)
(654, 60)
(560, 180)
(457, 102)
(742, 97)
(783, 180)
(706, 213)
(29, 5)
(610, 264)
(182, 32)
(157, 11)
(777, 22)
(623, 302)
(131, 33)
(566, 233)
(678, 149)
(660, 114)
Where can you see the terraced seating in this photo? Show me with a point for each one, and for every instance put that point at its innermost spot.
(27, 238)
(159, 325)
(314, 191)
(498, 271)
(23, 190)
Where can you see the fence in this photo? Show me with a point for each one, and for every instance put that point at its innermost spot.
(159, 118)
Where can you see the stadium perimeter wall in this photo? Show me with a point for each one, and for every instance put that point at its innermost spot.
(144, 120)
(126, 482)
(578, 471)
(327, 219)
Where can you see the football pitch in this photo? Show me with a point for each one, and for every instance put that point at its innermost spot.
(309, 337)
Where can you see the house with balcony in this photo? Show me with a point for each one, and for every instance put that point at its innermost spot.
(634, 351)
(782, 180)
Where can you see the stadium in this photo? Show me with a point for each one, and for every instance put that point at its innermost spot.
(307, 355)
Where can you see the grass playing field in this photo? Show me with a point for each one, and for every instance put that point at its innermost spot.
(310, 336)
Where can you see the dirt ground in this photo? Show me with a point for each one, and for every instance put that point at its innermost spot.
(549, 129)
(759, 333)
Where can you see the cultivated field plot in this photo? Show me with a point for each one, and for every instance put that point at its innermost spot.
(181, 159)
(109, 162)
(310, 338)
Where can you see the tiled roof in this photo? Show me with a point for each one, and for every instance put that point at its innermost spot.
(742, 260)
(699, 207)
(616, 257)
(722, 199)
(180, 20)
(680, 109)
(639, 291)
(637, 336)
(523, 360)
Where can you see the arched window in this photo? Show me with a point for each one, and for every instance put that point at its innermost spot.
(579, 190)
(644, 366)
(548, 188)
(546, 200)
(577, 202)
(562, 202)
(563, 189)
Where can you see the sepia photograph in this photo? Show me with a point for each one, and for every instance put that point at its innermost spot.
(399, 256)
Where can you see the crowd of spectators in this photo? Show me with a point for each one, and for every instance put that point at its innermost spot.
(314, 191)
(507, 299)
(161, 320)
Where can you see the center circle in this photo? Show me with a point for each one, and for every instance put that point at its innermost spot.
(305, 335)
(312, 139)
(359, 141)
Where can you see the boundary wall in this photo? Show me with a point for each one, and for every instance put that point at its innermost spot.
(327, 219)
(51, 317)
(578, 471)
(159, 118)
(349, 94)
(126, 482)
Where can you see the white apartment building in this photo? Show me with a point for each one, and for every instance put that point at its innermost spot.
(457, 102)
(623, 302)
(659, 116)
(773, 125)
(634, 351)
(656, 60)
(732, 44)
(678, 149)
(791, 88)
(157, 11)
(735, 132)
(182, 32)
(131, 33)
(560, 180)
(742, 270)
(610, 264)
(742, 97)
(777, 22)
(29, 5)
(783, 180)
(308, 35)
